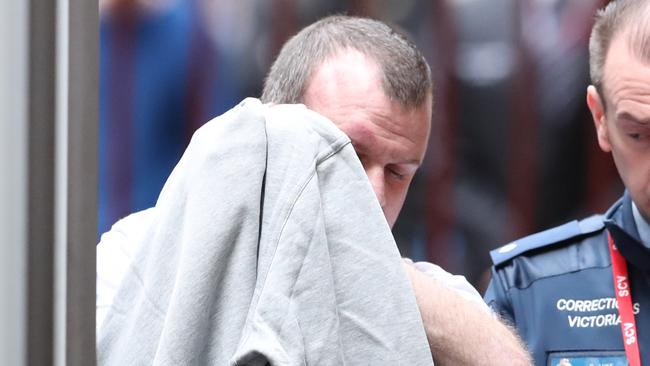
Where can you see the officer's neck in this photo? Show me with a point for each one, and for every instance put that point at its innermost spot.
(642, 226)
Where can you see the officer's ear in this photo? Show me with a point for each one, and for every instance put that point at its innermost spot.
(597, 108)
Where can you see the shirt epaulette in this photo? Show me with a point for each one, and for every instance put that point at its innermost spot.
(548, 237)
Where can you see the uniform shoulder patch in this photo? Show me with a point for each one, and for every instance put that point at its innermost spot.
(547, 238)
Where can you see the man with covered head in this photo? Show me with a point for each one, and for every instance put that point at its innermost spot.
(582, 290)
(376, 87)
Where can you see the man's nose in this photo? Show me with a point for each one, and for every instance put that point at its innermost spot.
(376, 177)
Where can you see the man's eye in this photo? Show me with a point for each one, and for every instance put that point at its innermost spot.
(396, 174)
(640, 137)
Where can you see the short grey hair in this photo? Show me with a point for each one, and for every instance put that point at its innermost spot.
(616, 17)
(405, 72)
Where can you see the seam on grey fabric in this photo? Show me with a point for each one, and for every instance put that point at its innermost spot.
(334, 149)
(262, 196)
(309, 177)
(333, 152)
(318, 160)
(259, 235)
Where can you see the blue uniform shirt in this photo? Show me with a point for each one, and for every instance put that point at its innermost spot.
(556, 287)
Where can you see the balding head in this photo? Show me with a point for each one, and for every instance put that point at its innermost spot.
(405, 74)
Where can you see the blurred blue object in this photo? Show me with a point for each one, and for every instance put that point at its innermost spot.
(158, 78)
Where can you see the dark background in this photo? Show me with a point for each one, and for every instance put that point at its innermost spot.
(512, 149)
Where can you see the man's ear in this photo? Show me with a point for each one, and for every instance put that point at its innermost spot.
(597, 108)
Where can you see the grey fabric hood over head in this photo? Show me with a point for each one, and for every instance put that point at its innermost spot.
(266, 246)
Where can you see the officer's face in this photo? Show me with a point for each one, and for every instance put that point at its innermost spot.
(390, 140)
(624, 127)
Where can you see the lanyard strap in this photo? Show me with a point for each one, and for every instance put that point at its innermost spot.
(624, 299)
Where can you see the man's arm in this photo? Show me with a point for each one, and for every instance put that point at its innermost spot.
(459, 332)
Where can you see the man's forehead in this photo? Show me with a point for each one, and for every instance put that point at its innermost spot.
(634, 116)
(623, 67)
(402, 133)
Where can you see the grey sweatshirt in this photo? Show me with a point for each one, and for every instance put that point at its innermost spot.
(266, 246)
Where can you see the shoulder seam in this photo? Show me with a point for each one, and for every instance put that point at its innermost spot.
(553, 275)
(570, 230)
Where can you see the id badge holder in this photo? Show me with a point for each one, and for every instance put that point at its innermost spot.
(587, 358)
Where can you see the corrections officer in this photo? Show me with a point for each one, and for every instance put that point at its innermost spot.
(580, 293)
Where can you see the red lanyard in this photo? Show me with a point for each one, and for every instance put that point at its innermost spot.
(624, 299)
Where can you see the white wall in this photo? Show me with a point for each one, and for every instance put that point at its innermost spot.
(13, 180)
(48, 163)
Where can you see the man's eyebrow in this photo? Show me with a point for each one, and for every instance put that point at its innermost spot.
(415, 162)
(630, 117)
